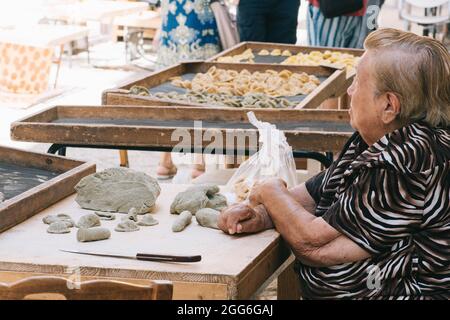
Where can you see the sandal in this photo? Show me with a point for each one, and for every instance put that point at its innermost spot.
(164, 173)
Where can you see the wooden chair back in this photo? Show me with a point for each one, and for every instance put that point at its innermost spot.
(87, 290)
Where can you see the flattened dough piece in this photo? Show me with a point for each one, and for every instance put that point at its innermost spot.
(118, 190)
(147, 220)
(127, 226)
(58, 227)
(106, 215)
(89, 220)
(59, 217)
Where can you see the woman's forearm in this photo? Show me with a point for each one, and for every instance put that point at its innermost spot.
(301, 194)
(302, 230)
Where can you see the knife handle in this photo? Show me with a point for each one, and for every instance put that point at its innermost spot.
(160, 257)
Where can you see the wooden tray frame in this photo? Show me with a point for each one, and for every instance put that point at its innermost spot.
(39, 128)
(241, 47)
(25, 205)
(329, 88)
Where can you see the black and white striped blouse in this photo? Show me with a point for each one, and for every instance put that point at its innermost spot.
(392, 199)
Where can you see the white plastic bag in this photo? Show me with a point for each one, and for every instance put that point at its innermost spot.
(274, 159)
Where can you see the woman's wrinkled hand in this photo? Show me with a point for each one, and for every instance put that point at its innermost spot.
(241, 218)
(261, 191)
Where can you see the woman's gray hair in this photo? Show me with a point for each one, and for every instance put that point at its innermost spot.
(417, 70)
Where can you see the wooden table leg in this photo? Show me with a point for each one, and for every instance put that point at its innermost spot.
(58, 62)
(288, 285)
(124, 158)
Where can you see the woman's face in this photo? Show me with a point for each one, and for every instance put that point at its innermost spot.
(365, 106)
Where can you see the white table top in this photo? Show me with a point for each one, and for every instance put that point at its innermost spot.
(43, 35)
(94, 10)
(28, 246)
(146, 19)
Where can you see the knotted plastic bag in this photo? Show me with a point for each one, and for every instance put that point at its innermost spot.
(274, 159)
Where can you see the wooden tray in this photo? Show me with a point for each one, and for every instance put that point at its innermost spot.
(257, 46)
(32, 182)
(146, 127)
(332, 81)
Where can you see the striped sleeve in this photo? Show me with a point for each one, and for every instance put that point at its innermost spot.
(380, 208)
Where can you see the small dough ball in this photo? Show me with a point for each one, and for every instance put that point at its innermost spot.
(263, 52)
(127, 226)
(207, 218)
(148, 220)
(59, 217)
(89, 220)
(58, 227)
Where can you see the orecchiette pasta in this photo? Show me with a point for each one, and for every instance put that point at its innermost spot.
(270, 82)
(315, 58)
(247, 55)
(256, 100)
(275, 52)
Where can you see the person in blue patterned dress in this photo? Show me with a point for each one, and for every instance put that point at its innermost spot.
(189, 32)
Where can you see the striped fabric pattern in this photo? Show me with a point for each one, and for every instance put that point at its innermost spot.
(393, 200)
(343, 31)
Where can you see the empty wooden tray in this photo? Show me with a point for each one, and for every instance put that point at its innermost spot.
(32, 182)
(157, 127)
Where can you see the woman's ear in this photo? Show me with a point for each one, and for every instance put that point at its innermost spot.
(392, 108)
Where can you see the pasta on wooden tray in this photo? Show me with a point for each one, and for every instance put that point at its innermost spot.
(256, 100)
(272, 83)
(313, 58)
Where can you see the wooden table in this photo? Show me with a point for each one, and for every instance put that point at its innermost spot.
(42, 35)
(232, 267)
(135, 28)
(93, 10)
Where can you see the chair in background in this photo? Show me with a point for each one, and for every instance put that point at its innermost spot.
(87, 290)
(436, 13)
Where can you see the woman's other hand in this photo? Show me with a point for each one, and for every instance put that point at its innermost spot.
(241, 218)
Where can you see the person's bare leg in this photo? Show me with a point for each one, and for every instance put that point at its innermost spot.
(199, 166)
(329, 104)
(166, 169)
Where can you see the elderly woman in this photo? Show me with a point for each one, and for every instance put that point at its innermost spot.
(376, 224)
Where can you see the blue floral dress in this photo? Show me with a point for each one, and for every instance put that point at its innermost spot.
(189, 31)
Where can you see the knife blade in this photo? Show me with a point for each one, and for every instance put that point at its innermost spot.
(141, 256)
